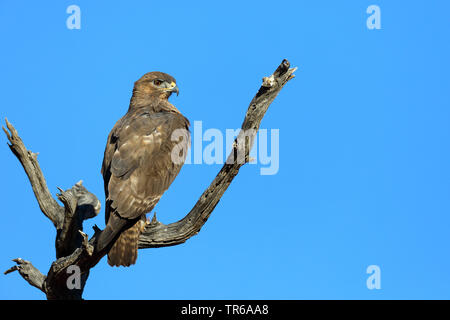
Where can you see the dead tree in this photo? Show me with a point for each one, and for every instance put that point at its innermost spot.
(73, 248)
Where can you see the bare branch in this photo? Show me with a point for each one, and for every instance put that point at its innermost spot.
(72, 245)
(49, 207)
(157, 234)
(32, 275)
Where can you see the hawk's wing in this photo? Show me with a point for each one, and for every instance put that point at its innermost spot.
(137, 166)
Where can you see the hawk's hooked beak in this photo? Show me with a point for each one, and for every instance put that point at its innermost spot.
(174, 88)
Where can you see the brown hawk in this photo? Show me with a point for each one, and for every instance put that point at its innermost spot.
(139, 164)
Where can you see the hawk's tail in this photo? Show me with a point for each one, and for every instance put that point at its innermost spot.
(125, 249)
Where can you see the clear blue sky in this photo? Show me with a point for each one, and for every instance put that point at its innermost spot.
(364, 174)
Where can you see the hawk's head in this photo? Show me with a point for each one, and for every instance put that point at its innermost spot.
(156, 84)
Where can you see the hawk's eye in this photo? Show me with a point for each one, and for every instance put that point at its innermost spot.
(157, 82)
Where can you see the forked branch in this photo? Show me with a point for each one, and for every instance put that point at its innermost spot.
(73, 247)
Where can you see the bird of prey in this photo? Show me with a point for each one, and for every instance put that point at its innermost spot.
(138, 164)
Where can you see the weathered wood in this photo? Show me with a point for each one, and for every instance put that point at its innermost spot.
(49, 207)
(157, 234)
(73, 247)
(79, 204)
(32, 275)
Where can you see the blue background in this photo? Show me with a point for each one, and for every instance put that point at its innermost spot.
(364, 173)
